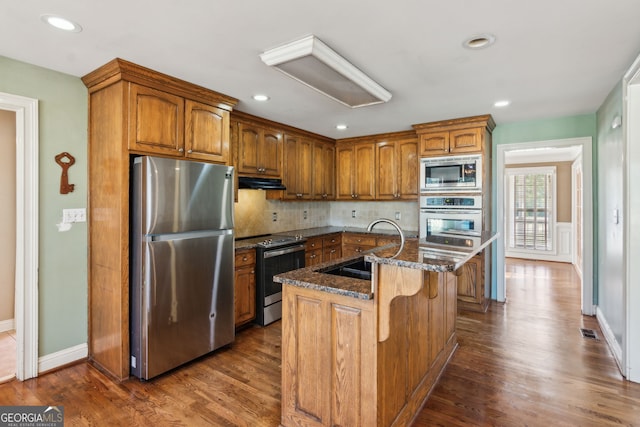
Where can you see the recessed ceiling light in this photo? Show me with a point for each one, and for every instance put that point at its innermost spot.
(61, 23)
(260, 97)
(502, 103)
(341, 127)
(479, 41)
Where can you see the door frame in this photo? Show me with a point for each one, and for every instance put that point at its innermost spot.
(587, 208)
(631, 140)
(26, 280)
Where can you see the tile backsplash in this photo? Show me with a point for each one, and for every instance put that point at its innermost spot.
(254, 214)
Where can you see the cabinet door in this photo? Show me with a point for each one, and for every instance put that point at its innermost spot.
(206, 132)
(469, 282)
(387, 171)
(290, 175)
(328, 163)
(331, 253)
(156, 121)
(465, 140)
(270, 153)
(245, 286)
(364, 172)
(344, 172)
(434, 143)
(407, 157)
(319, 171)
(248, 141)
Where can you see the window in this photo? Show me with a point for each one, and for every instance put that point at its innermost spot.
(531, 208)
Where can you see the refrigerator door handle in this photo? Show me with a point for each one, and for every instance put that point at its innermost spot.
(186, 235)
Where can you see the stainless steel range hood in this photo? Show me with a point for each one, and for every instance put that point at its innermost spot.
(260, 183)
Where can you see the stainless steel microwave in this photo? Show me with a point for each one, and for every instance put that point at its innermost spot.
(451, 173)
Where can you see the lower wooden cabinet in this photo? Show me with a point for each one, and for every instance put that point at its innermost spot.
(356, 243)
(338, 369)
(313, 251)
(473, 283)
(322, 249)
(245, 286)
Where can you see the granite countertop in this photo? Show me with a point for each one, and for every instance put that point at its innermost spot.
(319, 231)
(417, 253)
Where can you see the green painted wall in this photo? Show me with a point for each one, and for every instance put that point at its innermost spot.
(546, 130)
(62, 255)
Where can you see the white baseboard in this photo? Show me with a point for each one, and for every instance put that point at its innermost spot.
(62, 357)
(7, 325)
(610, 337)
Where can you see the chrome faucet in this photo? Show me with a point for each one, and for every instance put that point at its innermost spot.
(395, 225)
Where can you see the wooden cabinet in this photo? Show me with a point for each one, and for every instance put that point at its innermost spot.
(313, 251)
(259, 150)
(462, 136)
(397, 169)
(355, 168)
(245, 286)
(167, 124)
(322, 249)
(457, 136)
(134, 110)
(356, 243)
(324, 171)
(298, 168)
(382, 355)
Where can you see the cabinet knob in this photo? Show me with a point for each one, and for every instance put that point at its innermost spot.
(180, 150)
(190, 151)
(333, 251)
(244, 258)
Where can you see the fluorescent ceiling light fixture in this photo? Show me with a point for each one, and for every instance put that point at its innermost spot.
(341, 127)
(260, 97)
(316, 65)
(502, 103)
(61, 23)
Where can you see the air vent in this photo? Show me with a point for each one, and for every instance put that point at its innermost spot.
(589, 333)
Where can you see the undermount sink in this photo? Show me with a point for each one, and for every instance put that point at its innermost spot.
(358, 269)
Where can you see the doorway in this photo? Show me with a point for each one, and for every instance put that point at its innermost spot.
(585, 234)
(26, 237)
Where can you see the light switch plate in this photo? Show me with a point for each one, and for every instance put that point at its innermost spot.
(74, 215)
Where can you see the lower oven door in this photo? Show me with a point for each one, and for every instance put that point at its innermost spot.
(450, 222)
(269, 293)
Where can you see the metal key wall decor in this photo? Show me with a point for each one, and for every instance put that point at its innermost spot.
(65, 187)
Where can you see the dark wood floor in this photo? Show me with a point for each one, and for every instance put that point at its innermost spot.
(523, 363)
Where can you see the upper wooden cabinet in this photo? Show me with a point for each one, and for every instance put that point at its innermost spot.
(355, 171)
(259, 150)
(324, 170)
(135, 110)
(397, 168)
(449, 137)
(298, 167)
(377, 167)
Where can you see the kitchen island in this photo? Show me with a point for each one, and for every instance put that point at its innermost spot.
(359, 352)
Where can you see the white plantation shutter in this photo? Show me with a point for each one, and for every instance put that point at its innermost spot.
(531, 210)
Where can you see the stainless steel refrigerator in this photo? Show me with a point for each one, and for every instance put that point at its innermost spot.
(182, 256)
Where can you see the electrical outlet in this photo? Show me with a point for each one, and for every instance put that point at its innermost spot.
(398, 216)
(274, 216)
(74, 215)
(353, 214)
(304, 214)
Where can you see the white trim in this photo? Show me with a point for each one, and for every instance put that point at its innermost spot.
(63, 357)
(586, 145)
(26, 302)
(7, 325)
(609, 336)
(631, 226)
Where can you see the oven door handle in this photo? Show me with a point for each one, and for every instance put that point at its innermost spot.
(451, 211)
(278, 252)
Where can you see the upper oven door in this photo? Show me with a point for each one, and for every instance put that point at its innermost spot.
(451, 173)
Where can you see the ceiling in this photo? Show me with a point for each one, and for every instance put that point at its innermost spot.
(551, 58)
